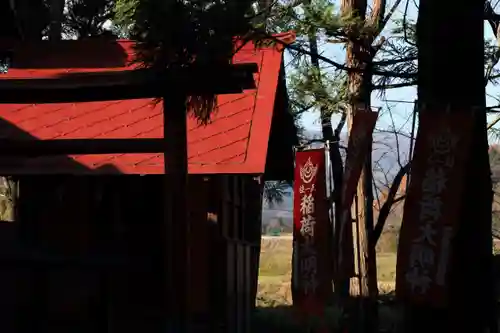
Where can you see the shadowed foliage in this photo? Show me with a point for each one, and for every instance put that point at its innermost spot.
(176, 34)
(275, 191)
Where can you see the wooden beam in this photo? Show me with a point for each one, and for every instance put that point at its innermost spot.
(35, 148)
(128, 84)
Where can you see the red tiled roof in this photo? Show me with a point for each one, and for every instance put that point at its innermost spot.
(235, 141)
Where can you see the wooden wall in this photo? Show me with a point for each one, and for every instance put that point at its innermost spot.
(239, 215)
(87, 248)
(96, 241)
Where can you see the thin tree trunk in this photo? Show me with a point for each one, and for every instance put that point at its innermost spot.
(341, 286)
(451, 76)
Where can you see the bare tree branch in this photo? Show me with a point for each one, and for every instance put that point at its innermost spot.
(394, 61)
(493, 123)
(405, 25)
(396, 136)
(394, 85)
(337, 65)
(338, 129)
(386, 208)
(382, 22)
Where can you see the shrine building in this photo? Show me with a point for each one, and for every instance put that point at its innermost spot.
(82, 254)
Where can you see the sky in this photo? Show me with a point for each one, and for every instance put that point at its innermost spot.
(399, 100)
(401, 111)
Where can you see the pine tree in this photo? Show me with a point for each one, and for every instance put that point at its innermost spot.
(374, 62)
(344, 90)
(275, 191)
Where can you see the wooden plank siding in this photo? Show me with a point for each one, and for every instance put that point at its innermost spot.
(241, 218)
(85, 247)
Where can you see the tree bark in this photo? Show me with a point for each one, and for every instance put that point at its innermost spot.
(8, 26)
(451, 77)
(364, 288)
(26, 18)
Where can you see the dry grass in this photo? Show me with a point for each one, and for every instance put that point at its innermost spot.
(275, 271)
(274, 294)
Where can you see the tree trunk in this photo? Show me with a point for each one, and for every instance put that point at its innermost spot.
(30, 18)
(364, 288)
(56, 18)
(8, 26)
(451, 76)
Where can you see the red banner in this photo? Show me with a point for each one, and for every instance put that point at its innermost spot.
(358, 149)
(311, 278)
(432, 207)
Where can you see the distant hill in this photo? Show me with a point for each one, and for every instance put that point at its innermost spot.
(385, 150)
(385, 159)
(281, 212)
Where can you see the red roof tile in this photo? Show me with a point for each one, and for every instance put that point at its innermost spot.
(235, 141)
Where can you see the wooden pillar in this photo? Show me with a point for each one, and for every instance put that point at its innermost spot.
(176, 227)
(254, 224)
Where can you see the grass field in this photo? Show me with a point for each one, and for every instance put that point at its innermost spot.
(275, 271)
